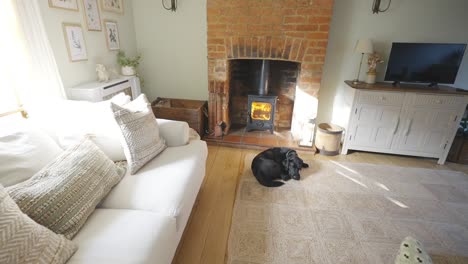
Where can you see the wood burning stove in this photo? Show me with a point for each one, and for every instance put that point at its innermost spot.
(261, 112)
(261, 107)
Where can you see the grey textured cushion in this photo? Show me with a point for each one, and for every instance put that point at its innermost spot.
(140, 132)
(64, 193)
(24, 241)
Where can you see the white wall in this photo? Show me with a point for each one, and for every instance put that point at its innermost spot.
(405, 21)
(173, 46)
(73, 73)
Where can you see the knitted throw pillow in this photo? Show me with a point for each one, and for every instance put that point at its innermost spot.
(140, 132)
(64, 193)
(24, 241)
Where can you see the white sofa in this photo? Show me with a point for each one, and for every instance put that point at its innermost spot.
(143, 218)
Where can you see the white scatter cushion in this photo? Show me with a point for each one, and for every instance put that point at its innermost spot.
(412, 252)
(175, 133)
(140, 132)
(69, 121)
(24, 150)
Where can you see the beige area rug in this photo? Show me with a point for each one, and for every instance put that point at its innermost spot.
(344, 212)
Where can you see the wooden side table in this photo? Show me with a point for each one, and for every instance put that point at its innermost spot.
(190, 111)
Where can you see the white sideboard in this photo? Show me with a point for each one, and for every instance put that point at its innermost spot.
(99, 91)
(417, 122)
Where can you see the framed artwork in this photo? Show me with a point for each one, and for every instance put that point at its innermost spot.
(112, 35)
(115, 6)
(75, 42)
(64, 4)
(92, 16)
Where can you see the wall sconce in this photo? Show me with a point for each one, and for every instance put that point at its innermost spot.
(376, 6)
(172, 7)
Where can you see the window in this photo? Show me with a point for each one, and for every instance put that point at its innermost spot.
(13, 59)
(28, 71)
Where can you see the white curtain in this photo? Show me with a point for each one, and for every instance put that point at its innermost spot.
(45, 71)
(28, 70)
(13, 56)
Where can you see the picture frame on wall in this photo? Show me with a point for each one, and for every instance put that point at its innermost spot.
(115, 6)
(64, 4)
(92, 15)
(75, 42)
(112, 34)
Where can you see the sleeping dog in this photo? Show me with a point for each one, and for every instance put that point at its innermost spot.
(277, 164)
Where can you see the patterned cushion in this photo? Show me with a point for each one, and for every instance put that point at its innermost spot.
(412, 252)
(140, 132)
(24, 241)
(64, 193)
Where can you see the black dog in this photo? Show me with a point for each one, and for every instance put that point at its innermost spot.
(275, 164)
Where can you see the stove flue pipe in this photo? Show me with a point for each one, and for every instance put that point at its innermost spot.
(264, 76)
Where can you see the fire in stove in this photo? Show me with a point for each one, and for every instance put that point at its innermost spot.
(261, 111)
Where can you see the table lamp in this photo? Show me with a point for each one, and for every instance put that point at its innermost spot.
(362, 46)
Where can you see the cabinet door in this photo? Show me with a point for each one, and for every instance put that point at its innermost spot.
(426, 130)
(374, 126)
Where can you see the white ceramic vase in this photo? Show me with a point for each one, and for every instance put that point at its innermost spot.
(371, 77)
(128, 70)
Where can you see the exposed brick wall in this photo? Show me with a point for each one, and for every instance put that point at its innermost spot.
(293, 30)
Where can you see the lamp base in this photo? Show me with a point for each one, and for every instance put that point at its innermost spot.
(356, 81)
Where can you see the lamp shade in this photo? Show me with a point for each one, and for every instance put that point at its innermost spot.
(364, 46)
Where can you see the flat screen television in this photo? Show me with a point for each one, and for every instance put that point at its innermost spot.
(424, 62)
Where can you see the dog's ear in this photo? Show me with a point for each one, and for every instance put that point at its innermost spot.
(301, 164)
(285, 163)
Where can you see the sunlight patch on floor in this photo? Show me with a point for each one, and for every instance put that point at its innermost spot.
(352, 179)
(346, 168)
(381, 185)
(400, 204)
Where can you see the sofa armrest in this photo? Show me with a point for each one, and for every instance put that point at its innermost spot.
(176, 133)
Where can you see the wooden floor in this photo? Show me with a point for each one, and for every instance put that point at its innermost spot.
(206, 235)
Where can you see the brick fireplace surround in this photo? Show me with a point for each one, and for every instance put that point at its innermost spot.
(290, 30)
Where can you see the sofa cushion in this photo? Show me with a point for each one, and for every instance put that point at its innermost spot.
(24, 241)
(64, 193)
(125, 236)
(24, 150)
(140, 132)
(176, 133)
(68, 121)
(167, 185)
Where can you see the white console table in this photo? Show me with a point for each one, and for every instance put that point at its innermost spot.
(99, 91)
(408, 120)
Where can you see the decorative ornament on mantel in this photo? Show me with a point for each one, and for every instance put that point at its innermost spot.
(372, 60)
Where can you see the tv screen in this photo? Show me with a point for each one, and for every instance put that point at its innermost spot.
(424, 62)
